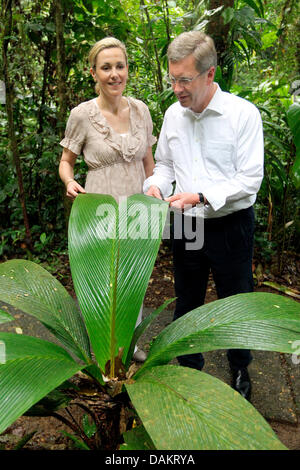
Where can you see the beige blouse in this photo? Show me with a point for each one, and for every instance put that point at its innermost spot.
(115, 161)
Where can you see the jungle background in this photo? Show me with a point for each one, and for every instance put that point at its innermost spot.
(44, 73)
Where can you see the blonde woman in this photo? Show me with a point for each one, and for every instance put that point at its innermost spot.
(113, 132)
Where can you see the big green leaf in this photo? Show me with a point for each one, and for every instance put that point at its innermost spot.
(184, 409)
(53, 401)
(30, 288)
(32, 368)
(293, 116)
(257, 320)
(257, 7)
(106, 245)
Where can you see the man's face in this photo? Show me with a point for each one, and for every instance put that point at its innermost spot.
(197, 93)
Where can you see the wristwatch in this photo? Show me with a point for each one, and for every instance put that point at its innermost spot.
(201, 198)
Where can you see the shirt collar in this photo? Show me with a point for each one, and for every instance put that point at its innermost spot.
(215, 104)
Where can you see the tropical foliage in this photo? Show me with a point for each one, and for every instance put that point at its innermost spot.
(45, 71)
(43, 74)
(112, 252)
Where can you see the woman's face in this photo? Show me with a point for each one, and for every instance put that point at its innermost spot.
(111, 71)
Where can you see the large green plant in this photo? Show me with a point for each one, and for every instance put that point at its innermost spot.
(293, 117)
(112, 253)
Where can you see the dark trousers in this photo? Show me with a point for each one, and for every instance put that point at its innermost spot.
(227, 252)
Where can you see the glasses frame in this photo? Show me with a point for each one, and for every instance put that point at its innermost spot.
(182, 81)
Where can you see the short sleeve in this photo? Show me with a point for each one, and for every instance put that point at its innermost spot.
(149, 126)
(75, 131)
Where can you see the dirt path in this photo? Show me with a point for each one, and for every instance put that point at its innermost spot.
(161, 287)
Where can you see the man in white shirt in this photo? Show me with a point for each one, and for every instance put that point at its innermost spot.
(211, 146)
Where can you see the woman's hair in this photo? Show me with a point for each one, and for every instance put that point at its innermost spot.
(99, 46)
(197, 43)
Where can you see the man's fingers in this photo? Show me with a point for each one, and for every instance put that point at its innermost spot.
(173, 198)
(154, 191)
(183, 199)
(177, 204)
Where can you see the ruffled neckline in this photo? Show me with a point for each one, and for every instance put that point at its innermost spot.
(126, 145)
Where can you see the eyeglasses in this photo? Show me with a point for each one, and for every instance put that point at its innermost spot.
(182, 81)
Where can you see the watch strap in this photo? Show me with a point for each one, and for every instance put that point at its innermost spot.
(201, 198)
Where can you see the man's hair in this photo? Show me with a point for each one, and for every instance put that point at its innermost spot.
(197, 43)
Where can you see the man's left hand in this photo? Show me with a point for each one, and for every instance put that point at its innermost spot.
(180, 200)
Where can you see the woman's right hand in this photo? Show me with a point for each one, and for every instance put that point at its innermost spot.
(73, 188)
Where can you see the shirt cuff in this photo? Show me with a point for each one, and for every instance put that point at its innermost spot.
(215, 200)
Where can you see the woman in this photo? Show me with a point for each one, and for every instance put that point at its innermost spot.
(113, 132)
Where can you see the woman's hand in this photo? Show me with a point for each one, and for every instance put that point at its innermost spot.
(73, 188)
(66, 172)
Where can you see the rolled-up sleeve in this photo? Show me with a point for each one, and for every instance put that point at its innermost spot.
(75, 132)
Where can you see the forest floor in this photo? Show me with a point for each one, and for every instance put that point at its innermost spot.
(49, 432)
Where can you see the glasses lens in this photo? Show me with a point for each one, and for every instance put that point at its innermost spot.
(184, 81)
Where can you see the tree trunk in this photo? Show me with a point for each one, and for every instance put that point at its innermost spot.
(220, 34)
(62, 89)
(7, 21)
(159, 78)
(61, 67)
(286, 15)
(289, 29)
(40, 122)
(167, 20)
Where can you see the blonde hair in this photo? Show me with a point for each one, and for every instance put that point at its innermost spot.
(197, 43)
(99, 46)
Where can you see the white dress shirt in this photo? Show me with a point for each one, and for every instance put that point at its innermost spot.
(218, 152)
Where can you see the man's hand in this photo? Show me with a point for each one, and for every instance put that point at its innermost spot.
(154, 191)
(183, 199)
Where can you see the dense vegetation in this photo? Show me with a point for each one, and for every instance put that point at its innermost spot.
(45, 71)
(174, 407)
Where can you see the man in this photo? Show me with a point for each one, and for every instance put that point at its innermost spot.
(211, 146)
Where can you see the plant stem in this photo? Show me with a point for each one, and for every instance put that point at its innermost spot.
(75, 427)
